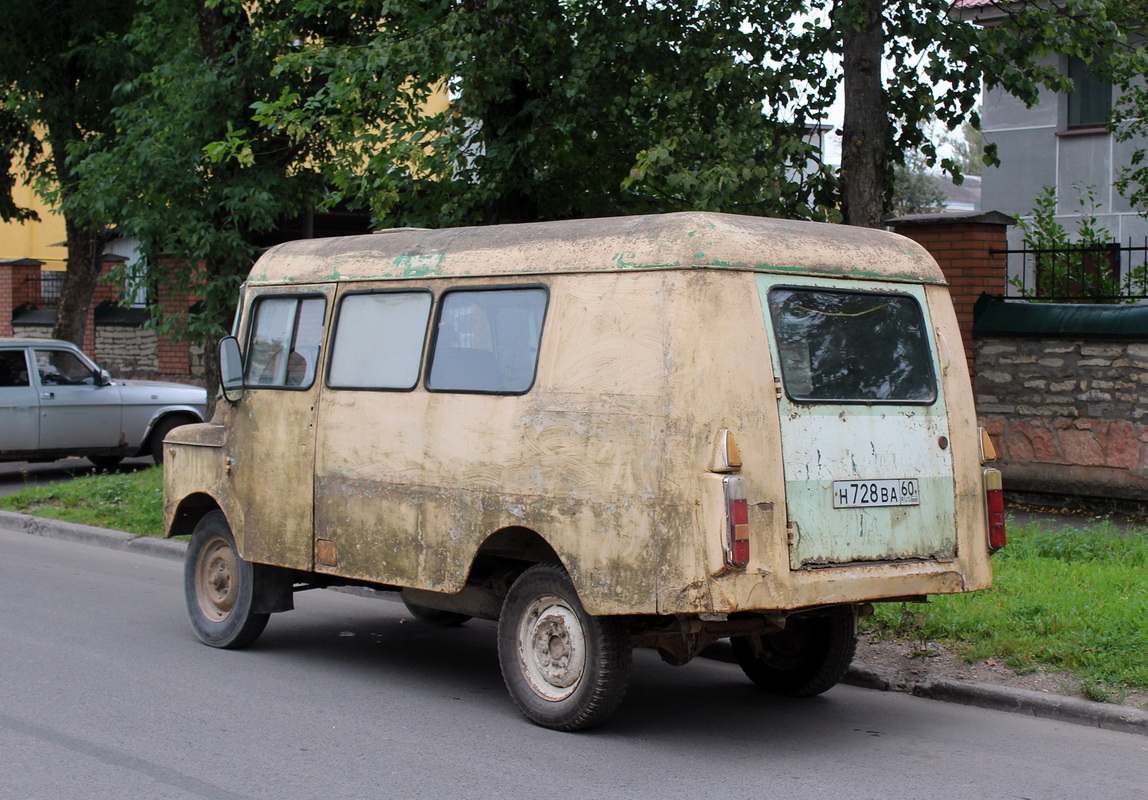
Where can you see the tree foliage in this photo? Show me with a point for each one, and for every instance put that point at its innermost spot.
(566, 109)
(968, 149)
(557, 109)
(58, 68)
(236, 116)
(916, 190)
(198, 220)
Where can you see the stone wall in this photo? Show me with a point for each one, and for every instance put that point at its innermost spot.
(124, 348)
(129, 352)
(1067, 416)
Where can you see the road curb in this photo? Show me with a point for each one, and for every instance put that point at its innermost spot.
(89, 534)
(997, 698)
(1018, 701)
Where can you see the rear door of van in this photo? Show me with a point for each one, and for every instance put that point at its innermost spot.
(865, 437)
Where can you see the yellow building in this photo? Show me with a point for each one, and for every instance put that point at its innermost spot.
(42, 240)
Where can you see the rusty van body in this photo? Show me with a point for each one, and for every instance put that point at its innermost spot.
(640, 431)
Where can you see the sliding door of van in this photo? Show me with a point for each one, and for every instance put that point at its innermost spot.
(272, 433)
(412, 458)
(868, 469)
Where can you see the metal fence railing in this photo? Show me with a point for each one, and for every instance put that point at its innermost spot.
(50, 285)
(1111, 273)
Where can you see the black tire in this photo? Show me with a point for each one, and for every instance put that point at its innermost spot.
(105, 462)
(433, 616)
(809, 657)
(162, 428)
(219, 586)
(564, 669)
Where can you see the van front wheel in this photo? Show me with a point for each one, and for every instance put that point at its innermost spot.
(809, 657)
(564, 668)
(219, 587)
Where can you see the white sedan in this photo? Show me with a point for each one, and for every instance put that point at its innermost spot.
(55, 402)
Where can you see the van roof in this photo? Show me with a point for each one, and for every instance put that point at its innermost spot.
(684, 240)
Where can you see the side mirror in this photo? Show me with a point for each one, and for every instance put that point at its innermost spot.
(230, 369)
(103, 378)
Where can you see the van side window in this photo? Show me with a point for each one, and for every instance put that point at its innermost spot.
(379, 340)
(852, 347)
(284, 346)
(487, 341)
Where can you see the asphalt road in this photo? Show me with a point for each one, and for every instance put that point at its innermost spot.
(105, 693)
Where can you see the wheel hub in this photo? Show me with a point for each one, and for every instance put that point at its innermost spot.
(552, 647)
(216, 588)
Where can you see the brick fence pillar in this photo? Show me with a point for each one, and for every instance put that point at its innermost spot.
(960, 242)
(105, 291)
(176, 301)
(19, 286)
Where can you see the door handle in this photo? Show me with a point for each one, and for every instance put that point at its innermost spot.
(48, 395)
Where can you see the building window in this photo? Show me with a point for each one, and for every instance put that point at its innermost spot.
(1090, 101)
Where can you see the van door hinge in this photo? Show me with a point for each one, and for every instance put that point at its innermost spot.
(777, 386)
(790, 536)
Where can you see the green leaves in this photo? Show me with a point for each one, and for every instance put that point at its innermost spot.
(218, 127)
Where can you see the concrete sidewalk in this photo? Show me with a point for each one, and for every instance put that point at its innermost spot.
(1020, 701)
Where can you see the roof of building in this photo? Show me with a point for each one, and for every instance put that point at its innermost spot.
(979, 11)
(686, 240)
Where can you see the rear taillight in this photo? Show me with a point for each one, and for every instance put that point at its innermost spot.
(994, 509)
(737, 522)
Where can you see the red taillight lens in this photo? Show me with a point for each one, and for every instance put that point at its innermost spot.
(995, 510)
(737, 522)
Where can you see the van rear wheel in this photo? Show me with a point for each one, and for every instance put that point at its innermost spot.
(219, 587)
(564, 668)
(809, 657)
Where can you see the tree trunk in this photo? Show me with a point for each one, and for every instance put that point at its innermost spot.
(85, 249)
(865, 129)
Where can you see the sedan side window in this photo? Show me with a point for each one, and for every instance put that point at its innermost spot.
(13, 369)
(63, 368)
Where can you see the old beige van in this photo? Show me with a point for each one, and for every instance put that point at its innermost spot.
(650, 431)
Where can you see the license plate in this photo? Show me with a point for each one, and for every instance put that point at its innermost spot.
(856, 494)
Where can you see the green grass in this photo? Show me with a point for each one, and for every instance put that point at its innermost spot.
(1074, 600)
(1066, 599)
(125, 501)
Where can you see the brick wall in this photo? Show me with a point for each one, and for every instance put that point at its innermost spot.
(126, 351)
(19, 286)
(961, 243)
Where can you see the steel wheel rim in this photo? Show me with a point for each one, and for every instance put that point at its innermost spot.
(551, 648)
(216, 579)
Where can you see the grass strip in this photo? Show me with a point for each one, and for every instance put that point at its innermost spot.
(124, 501)
(1063, 598)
